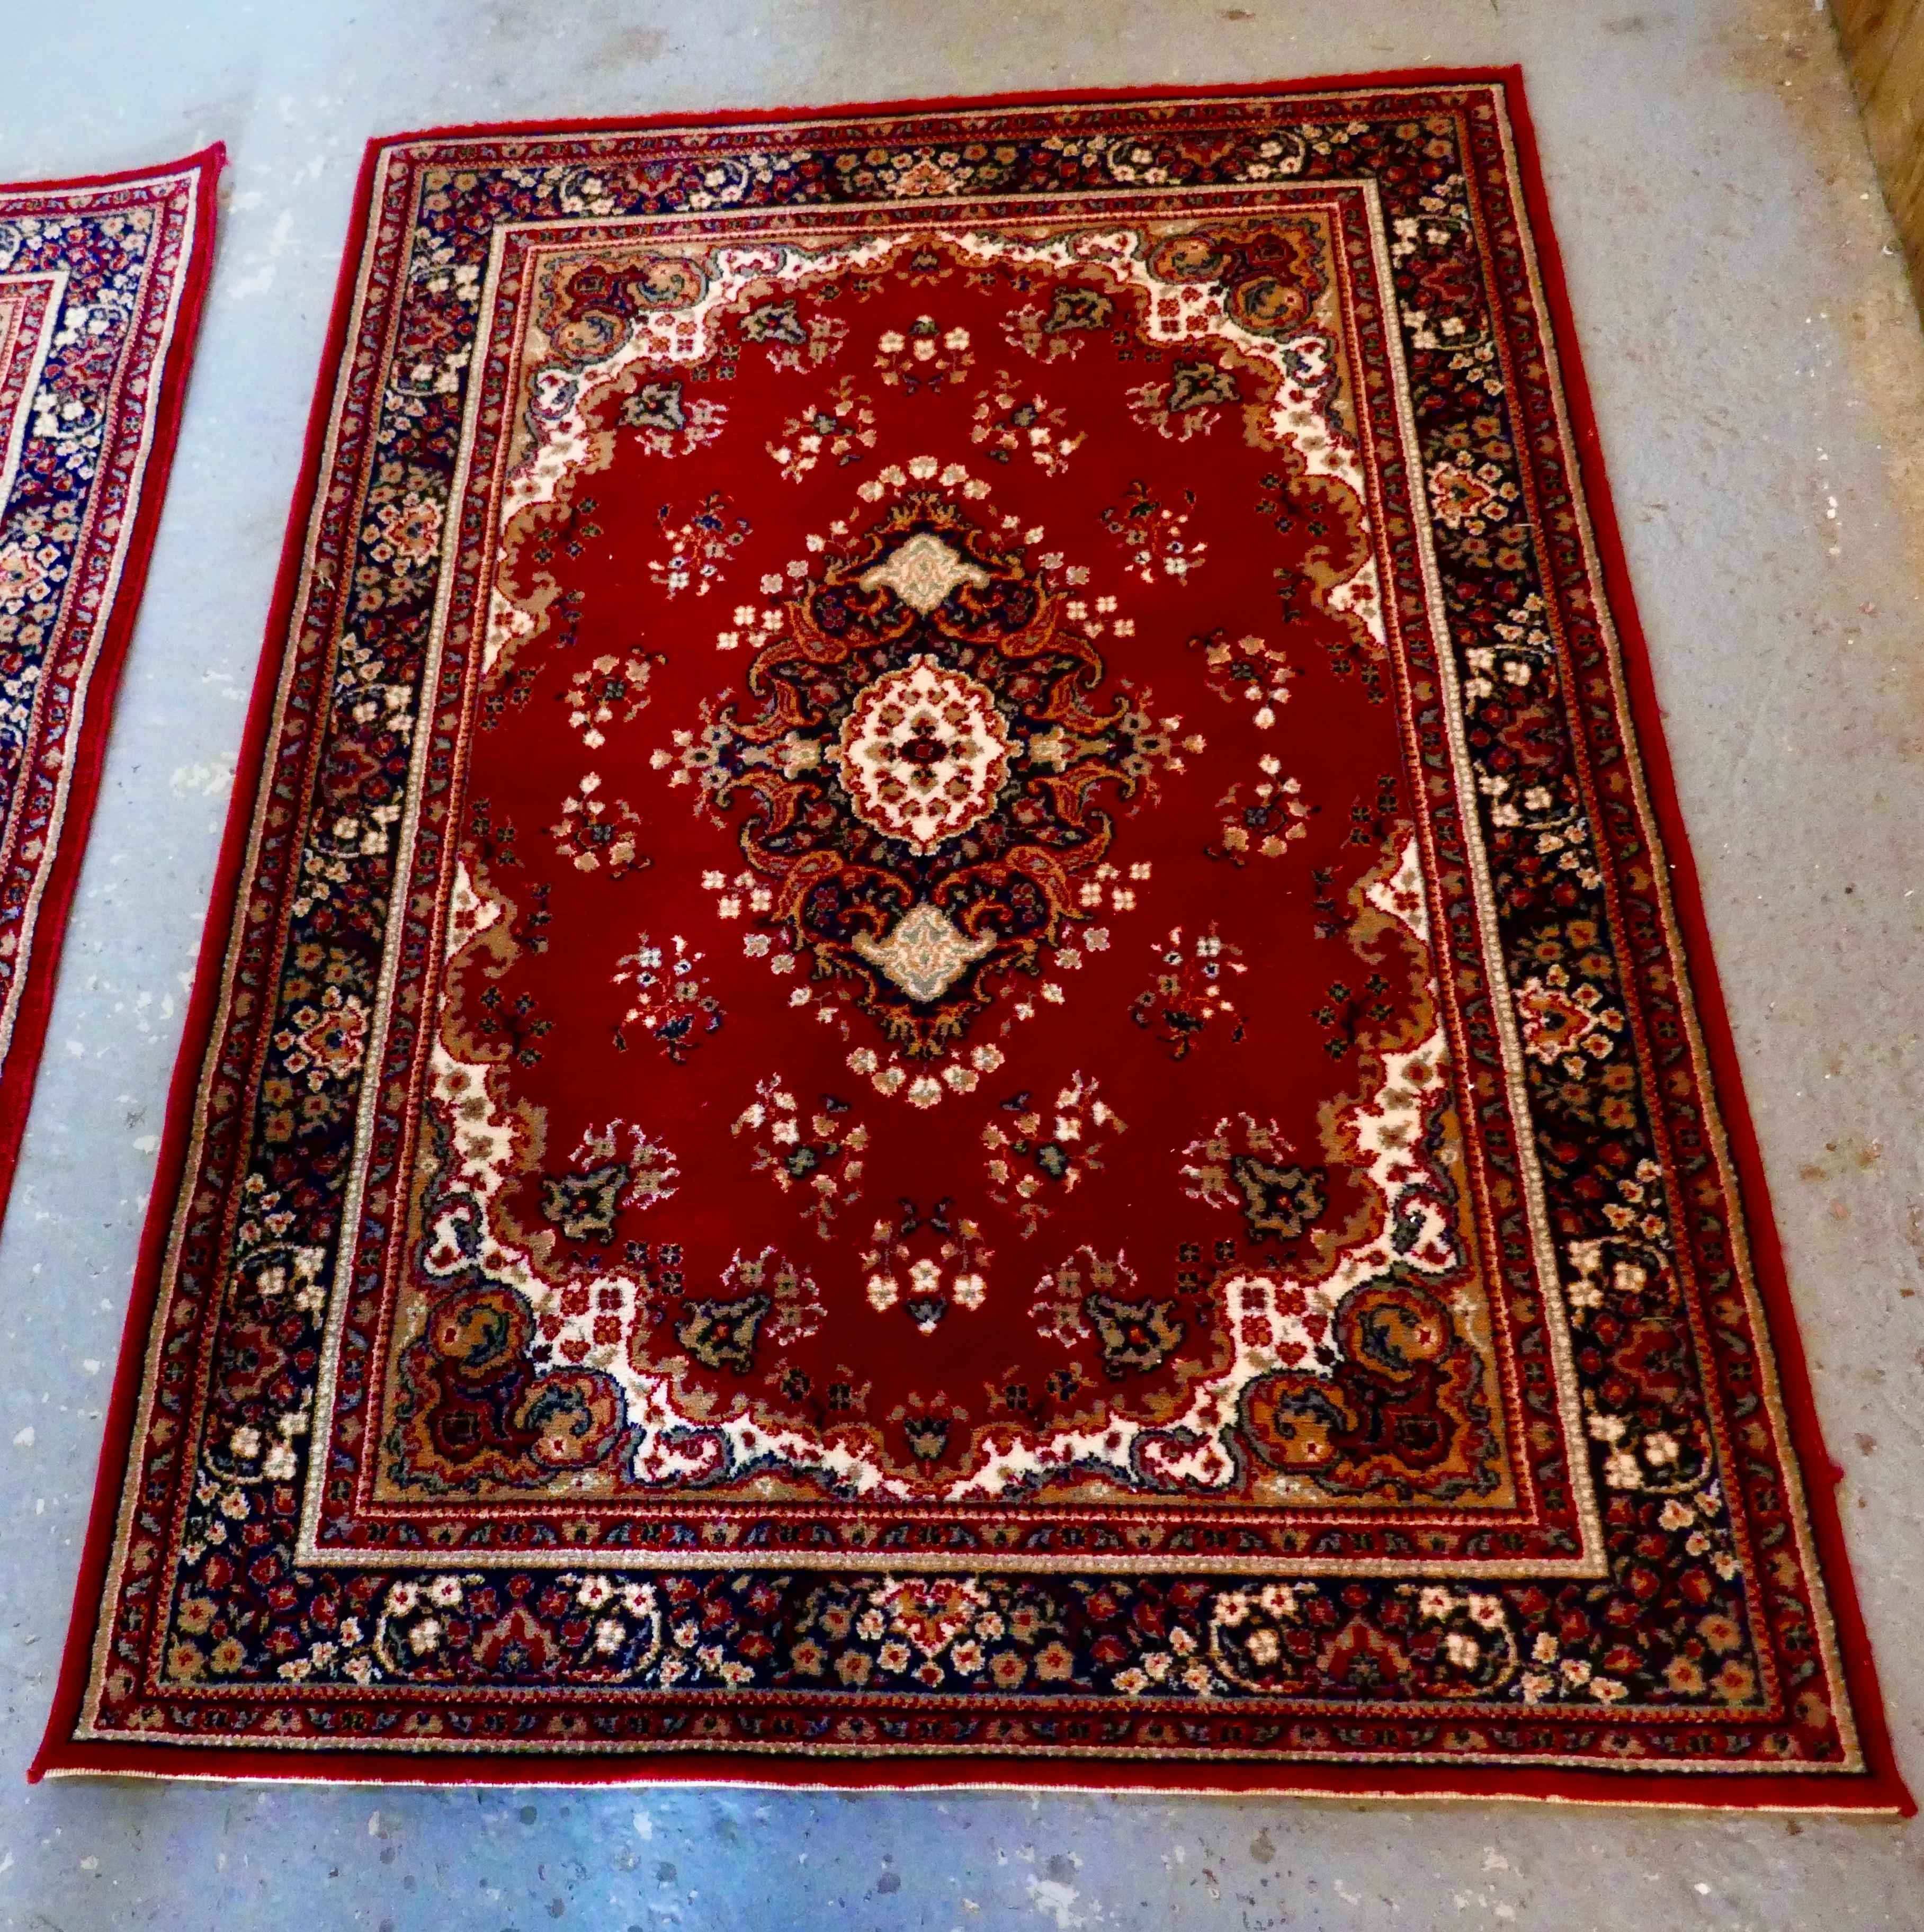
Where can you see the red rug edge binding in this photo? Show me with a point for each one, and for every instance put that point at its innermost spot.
(1879, 1791)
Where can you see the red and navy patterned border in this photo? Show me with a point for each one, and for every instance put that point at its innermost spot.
(130, 255)
(1800, 1624)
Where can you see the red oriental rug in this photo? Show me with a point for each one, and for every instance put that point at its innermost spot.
(101, 287)
(947, 1046)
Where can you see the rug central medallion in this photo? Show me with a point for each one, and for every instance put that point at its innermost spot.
(932, 775)
(923, 753)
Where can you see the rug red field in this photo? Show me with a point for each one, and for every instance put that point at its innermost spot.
(949, 1043)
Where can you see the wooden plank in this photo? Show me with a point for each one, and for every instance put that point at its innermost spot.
(1883, 46)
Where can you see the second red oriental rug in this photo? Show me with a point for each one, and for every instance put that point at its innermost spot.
(101, 284)
(948, 1044)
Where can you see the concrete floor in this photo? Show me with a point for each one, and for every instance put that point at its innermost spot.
(1760, 379)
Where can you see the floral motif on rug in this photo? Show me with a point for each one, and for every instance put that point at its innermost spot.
(100, 289)
(951, 1048)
